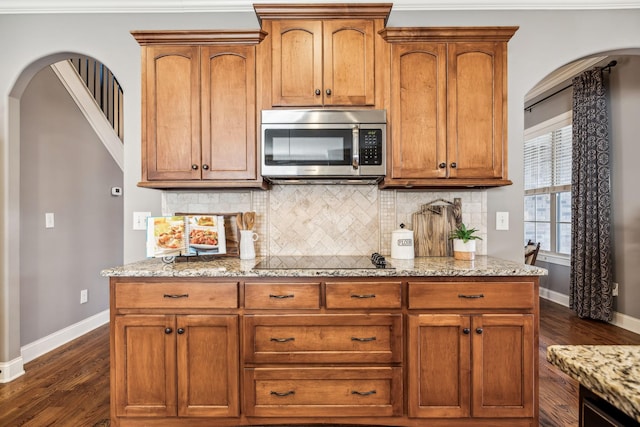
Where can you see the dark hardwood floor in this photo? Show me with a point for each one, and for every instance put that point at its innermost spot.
(70, 385)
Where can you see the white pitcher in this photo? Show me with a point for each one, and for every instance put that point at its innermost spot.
(247, 249)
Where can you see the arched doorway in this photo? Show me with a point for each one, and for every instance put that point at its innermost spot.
(624, 107)
(60, 170)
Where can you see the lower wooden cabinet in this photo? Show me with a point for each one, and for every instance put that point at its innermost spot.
(397, 351)
(471, 365)
(167, 366)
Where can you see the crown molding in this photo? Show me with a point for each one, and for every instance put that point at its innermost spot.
(189, 6)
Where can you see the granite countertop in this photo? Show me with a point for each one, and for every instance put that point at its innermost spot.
(610, 371)
(419, 267)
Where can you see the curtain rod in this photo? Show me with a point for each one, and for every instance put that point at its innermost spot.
(605, 68)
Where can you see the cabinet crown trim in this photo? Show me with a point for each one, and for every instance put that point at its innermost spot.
(447, 34)
(323, 11)
(198, 37)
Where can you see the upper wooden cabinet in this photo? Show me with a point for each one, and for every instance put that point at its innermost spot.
(322, 55)
(448, 107)
(199, 109)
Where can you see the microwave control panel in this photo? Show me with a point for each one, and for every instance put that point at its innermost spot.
(370, 146)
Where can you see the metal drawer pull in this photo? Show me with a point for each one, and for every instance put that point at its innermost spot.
(364, 296)
(363, 339)
(470, 296)
(176, 295)
(283, 339)
(363, 393)
(286, 393)
(281, 296)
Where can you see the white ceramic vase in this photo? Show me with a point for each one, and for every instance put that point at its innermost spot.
(464, 251)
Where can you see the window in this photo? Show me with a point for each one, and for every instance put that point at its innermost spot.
(547, 185)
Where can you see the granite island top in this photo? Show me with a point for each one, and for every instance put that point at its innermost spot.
(610, 371)
(418, 267)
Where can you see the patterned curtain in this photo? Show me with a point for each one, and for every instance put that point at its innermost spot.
(591, 261)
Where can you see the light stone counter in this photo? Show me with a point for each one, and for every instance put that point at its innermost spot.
(419, 267)
(610, 371)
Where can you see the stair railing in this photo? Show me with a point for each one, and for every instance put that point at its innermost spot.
(104, 87)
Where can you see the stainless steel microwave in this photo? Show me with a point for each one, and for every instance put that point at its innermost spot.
(329, 145)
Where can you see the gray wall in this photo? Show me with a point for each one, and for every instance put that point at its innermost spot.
(66, 170)
(624, 84)
(546, 40)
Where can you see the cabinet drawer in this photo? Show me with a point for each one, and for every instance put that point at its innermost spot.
(363, 295)
(176, 295)
(282, 295)
(316, 392)
(323, 339)
(470, 295)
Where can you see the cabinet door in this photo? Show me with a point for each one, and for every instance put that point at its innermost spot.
(503, 365)
(228, 112)
(296, 63)
(476, 109)
(208, 376)
(418, 110)
(171, 102)
(348, 62)
(145, 366)
(439, 366)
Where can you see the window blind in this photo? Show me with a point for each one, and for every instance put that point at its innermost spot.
(547, 160)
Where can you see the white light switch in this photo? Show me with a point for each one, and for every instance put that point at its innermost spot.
(502, 220)
(48, 220)
(140, 220)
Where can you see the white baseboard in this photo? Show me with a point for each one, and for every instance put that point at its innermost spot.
(554, 296)
(626, 322)
(63, 336)
(621, 320)
(9, 371)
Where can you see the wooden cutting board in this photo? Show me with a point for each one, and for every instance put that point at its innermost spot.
(433, 224)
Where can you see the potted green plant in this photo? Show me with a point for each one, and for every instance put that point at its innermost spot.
(464, 242)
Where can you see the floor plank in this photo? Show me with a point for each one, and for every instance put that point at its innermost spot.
(70, 385)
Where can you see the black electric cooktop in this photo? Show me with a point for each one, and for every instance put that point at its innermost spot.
(332, 262)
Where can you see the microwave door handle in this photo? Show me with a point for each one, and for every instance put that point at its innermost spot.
(356, 155)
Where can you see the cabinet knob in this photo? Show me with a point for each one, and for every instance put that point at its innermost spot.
(453, 165)
(442, 165)
(180, 331)
(194, 167)
(168, 331)
(466, 331)
(329, 92)
(205, 167)
(318, 92)
(479, 330)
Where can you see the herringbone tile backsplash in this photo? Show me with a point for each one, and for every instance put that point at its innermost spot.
(326, 219)
(323, 220)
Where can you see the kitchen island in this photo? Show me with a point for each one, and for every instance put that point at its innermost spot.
(609, 377)
(424, 342)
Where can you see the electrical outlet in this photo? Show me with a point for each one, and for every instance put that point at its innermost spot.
(84, 296)
(140, 220)
(615, 290)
